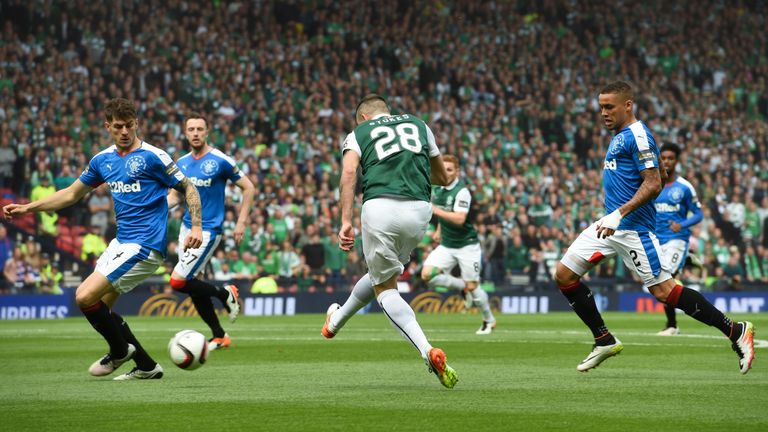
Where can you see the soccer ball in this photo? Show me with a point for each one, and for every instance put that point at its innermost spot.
(188, 349)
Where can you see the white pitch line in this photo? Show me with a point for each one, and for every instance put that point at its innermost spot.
(759, 343)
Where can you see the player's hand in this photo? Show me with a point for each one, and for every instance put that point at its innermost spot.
(436, 237)
(608, 224)
(436, 210)
(346, 237)
(239, 232)
(674, 226)
(12, 210)
(194, 238)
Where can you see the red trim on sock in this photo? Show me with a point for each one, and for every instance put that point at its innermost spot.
(570, 287)
(596, 258)
(674, 295)
(603, 335)
(178, 284)
(92, 308)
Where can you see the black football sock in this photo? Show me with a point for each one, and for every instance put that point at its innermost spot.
(583, 303)
(142, 358)
(185, 289)
(204, 307)
(671, 313)
(101, 320)
(699, 308)
(200, 288)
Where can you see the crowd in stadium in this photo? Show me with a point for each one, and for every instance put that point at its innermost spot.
(508, 87)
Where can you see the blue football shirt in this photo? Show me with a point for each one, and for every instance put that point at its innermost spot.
(210, 174)
(674, 203)
(632, 150)
(139, 182)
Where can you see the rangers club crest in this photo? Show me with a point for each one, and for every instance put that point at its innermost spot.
(135, 165)
(676, 194)
(617, 144)
(209, 167)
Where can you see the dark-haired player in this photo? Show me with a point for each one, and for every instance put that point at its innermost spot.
(209, 170)
(139, 176)
(631, 180)
(673, 224)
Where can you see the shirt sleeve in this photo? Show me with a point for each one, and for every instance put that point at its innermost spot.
(169, 174)
(233, 172)
(91, 175)
(694, 207)
(433, 150)
(350, 143)
(644, 147)
(463, 201)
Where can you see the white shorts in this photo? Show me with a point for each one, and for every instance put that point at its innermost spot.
(468, 258)
(191, 261)
(674, 253)
(640, 251)
(391, 230)
(126, 265)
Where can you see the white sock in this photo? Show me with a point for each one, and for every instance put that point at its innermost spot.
(361, 295)
(447, 281)
(480, 298)
(403, 319)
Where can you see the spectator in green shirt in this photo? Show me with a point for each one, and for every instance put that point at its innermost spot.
(279, 225)
(518, 258)
(335, 262)
(65, 178)
(246, 267)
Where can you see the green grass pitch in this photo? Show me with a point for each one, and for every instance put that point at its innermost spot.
(281, 375)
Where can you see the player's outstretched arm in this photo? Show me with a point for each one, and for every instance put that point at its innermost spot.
(195, 208)
(648, 190)
(455, 218)
(350, 162)
(245, 184)
(438, 174)
(58, 200)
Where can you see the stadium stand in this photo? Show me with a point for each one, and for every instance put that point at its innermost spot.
(507, 86)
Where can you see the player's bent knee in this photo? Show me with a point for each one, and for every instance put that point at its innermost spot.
(564, 276)
(92, 290)
(661, 297)
(85, 299)
(667, 292)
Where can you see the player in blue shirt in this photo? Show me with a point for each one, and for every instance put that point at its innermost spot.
(631, 180)
(209, 170)
(139, 176)
(673, 225)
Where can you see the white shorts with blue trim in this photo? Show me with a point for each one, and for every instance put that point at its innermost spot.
(126, 265)
(391, 230)
(640, 252)
(673, 254)
(469, 259)
(191, 261)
